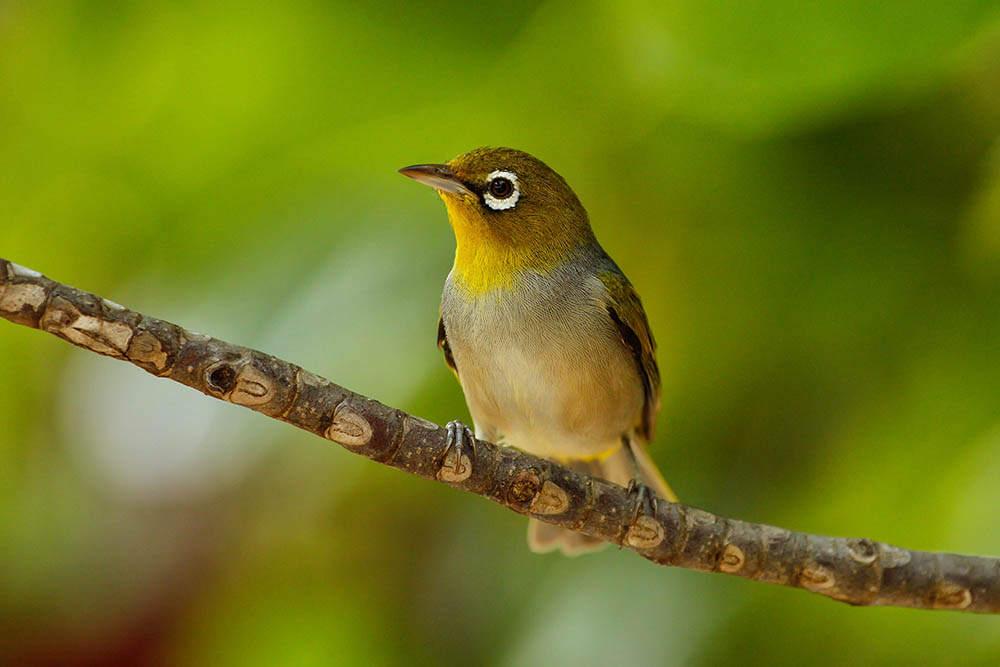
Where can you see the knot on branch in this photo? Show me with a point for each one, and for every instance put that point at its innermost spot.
(455, 467)
(952, 596)
(644, 533)
(146, 348)
(550, 499)
(103, 336)
(20, 302)
(893, 556)
(816, 577)
(732, 559)
(530, 493)
(15, 297)
(240, 384)
(349, 428)
(862, 550)
(524, 488)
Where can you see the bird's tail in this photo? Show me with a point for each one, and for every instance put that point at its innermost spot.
(617, 468)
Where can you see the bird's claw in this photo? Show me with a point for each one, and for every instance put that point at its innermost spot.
(644, 495)
(460, 444)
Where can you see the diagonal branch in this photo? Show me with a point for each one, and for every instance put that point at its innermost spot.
(854, 570)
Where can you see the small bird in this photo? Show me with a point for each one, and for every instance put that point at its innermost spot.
(545, 333)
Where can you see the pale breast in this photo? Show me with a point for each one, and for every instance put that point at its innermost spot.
(542, 366)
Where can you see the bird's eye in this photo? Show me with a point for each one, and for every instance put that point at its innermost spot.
(502, 191)
(501, 188)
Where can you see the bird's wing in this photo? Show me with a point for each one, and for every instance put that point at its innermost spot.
(625, 309)
(445, 348)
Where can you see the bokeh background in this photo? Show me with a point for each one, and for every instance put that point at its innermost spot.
(807, 195)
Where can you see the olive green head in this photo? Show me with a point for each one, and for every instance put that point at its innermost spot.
(509, 210)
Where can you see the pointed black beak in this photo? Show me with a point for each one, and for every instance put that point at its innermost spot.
(438, 176)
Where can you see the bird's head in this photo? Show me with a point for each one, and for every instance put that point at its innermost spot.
(510, 213)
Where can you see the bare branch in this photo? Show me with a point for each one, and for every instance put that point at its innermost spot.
(853, 570)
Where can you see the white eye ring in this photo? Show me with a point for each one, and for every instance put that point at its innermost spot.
(507, 202)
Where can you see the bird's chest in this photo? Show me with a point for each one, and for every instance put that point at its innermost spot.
(538, 325)
(541, 365)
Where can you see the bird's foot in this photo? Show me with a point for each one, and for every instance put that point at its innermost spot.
(644, 496)
(459, 453)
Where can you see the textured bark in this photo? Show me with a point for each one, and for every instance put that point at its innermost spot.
(854, 570)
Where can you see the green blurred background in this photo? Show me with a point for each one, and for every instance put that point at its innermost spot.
(807, 195)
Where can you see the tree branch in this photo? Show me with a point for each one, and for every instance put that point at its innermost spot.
(854, 570)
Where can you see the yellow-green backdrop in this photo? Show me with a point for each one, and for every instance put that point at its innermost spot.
(807, 195)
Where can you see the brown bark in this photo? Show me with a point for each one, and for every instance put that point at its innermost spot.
(854, 570)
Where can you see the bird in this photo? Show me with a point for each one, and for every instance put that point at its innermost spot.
(547, 337)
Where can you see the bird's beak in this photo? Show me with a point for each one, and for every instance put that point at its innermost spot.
(438, 176)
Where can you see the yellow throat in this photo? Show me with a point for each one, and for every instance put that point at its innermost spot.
(488, 257)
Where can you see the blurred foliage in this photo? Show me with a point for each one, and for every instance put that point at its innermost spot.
(807, 195)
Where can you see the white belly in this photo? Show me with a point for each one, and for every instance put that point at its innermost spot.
(547, 374)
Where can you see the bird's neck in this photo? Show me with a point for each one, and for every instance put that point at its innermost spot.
(482, 267)
(490, 257)
(485, 262)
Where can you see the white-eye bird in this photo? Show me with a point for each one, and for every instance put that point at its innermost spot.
(545, 333)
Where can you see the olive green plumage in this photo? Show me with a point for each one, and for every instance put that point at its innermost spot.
(545, 333)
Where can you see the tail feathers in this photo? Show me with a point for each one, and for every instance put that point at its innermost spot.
(617, 468)
(544, 537)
